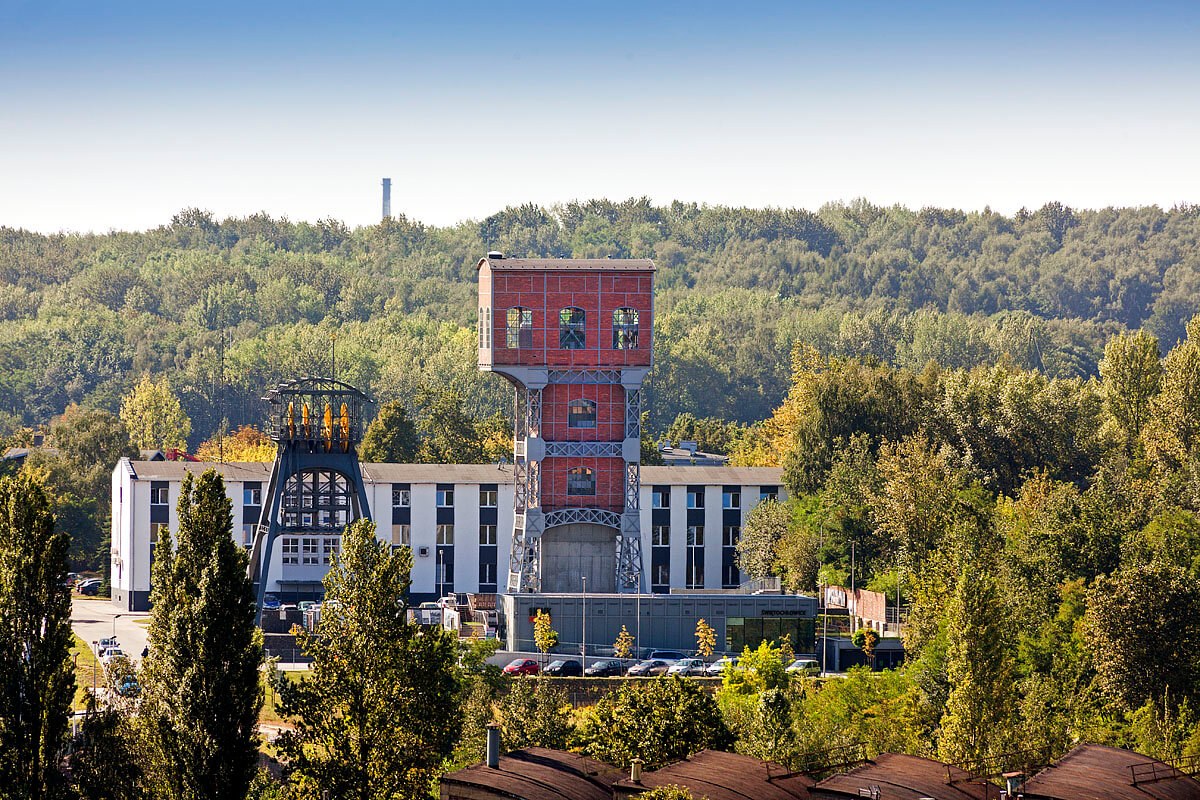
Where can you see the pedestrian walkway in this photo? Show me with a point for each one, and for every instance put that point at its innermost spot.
(94, 618)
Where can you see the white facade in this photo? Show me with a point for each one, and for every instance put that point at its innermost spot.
(450, 535)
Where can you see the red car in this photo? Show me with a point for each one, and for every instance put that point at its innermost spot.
(522, 666)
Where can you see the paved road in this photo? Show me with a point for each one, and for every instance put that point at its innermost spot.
(93, 619)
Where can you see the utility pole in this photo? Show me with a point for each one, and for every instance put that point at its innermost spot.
(584, 621)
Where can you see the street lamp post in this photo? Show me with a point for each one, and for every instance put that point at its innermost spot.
(584, 648)
(115, 618)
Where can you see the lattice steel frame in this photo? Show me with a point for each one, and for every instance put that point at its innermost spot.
(524, 559)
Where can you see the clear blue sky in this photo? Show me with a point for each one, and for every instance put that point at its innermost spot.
(118, 114)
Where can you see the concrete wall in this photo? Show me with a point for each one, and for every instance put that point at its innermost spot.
(570, 552)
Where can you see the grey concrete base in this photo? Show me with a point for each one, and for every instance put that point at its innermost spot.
(571, 552)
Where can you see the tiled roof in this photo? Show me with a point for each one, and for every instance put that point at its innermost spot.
(904, 777)
(578, 264)
(724, 776)
(533, 774)
(459, 473)
(1098, 772)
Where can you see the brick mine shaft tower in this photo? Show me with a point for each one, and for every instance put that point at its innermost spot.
(574, 337)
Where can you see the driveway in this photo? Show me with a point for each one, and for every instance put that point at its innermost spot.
(94, 618)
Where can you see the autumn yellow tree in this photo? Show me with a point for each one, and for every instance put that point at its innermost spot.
(247, 443)
(154, 416)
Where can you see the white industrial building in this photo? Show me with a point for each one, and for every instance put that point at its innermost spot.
(458, 519)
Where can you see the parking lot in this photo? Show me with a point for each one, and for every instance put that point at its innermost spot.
(94, 618)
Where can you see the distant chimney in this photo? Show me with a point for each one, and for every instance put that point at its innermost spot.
(689, 447)
(635, 771)
(493, 746)
(495, 255)
(387, 198)
(1014, 782)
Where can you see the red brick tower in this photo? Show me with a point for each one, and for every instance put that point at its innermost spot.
(574, 337)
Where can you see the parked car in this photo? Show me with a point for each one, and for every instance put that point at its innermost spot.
(107, 642)
(717, 668)
(564, 668)
(667, 655)
(305, 605)
(90, 587)
(271, 602)
(522, 666)
(605, 668)
(109, 653)
(651, 666)
(804, 666)
(688, 666)
(129, 687)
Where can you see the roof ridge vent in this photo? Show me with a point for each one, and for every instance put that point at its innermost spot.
(495, 255)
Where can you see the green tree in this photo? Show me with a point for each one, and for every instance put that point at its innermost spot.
(1172, 433)
(533, 714)
(658, 721)
(1131, 375)
(36, 678)
(765, 526)
(623, 646)
(544, 636)
(201, 693)
(1142, 624)
(706, 639)
(106, 764)
(391, 437)
(381, 709)
(154, 416)
(669, 791)
(448, 433)
(979, 722)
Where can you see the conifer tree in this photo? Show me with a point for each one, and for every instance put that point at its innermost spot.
(36, 680)
(379, 712)
(201, 684)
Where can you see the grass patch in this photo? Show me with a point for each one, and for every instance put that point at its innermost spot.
(270, 713)
(87, 670)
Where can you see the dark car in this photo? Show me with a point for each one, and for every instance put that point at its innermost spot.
(607, 668)
(564, 668)
(89, 587)
(521, 666)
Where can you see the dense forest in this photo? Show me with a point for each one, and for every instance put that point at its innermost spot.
(228, 308)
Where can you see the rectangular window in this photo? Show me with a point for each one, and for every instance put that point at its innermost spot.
(487, 534)
(695, 498)
(400, 535)
(660, 497)
(160, 496)
(660, 535)
(445, 534)
(730, 535)
(401, 497)
(695, 573)
(661, 578)
(445, 498)
(768, 493)
(581, 481)
(731, 498)
(581, 414)
(487, 574)
(248, 534)
(331, 546)
(518, 328)
(308, 551)
(695, 536)
(572, 329)
(487, 498)
(291, 550)
(252, 497)
(158, 529)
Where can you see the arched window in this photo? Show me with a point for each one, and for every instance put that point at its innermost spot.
(625, 329)
(519, 328)
(581, 414)
(572, 329)
(581, 481)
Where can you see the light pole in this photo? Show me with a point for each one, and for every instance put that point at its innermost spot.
(441, 578)
(637, 645)
(115, 618)
(584, 648)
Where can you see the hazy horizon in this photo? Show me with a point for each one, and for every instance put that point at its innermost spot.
(115, 119)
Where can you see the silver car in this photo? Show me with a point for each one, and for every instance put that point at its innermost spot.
(688, 666)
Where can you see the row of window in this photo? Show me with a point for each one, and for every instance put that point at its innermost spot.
(660, 535)
(310, 550)
(572, 328)
(444, 534)
(660, 497)
(402, 498)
